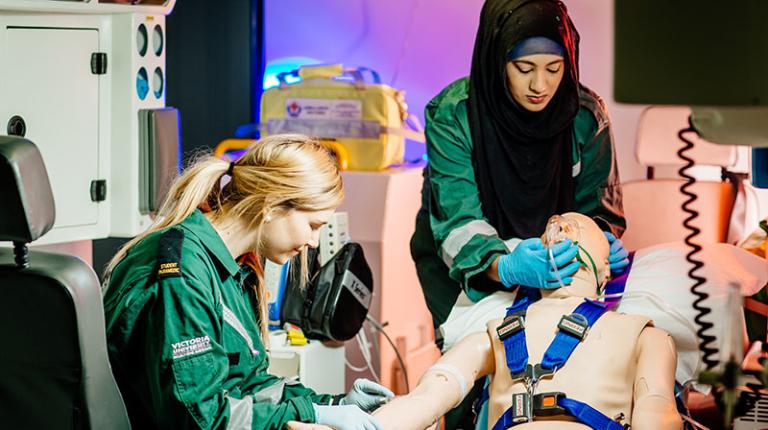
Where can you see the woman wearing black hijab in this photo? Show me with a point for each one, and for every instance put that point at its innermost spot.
(517, 141)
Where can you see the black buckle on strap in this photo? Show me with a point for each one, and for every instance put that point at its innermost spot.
(621, 417)
(511, 325)
(545, 404)
(521, 408)
(575, 324)
(536, 372)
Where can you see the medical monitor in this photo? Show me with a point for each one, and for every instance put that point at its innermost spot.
(691, 52)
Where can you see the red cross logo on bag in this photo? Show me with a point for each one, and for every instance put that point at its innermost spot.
(293, 109)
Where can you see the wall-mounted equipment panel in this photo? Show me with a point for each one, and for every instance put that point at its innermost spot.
(74, 83)
(139, 86)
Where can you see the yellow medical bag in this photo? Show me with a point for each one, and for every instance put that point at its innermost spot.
(334, 104)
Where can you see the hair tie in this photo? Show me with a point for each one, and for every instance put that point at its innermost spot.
(231, 169)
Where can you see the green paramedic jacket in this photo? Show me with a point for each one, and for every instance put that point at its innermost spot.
(184, 340)
(453, 241)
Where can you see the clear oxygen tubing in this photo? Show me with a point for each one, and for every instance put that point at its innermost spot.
(554, 267)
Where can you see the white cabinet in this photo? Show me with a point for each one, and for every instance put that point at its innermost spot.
(85, 120)
(46, 80)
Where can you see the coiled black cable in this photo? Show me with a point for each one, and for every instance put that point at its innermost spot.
(705, 340)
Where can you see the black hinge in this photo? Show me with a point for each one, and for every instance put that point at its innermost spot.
(99, 63)
(98, 190)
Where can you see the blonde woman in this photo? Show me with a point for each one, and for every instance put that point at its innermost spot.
(186, 322)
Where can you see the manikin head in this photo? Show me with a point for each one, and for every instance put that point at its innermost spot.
(593, 253)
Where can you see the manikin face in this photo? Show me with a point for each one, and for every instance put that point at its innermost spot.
(582, 229)
(288, 233)
(533, 79)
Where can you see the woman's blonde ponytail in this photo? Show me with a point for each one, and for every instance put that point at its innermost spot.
(188, 192)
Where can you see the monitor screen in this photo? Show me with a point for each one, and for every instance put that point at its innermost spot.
(691, 52)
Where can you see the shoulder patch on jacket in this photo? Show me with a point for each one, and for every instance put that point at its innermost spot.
(169, 253)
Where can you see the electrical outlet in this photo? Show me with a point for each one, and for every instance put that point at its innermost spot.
(333, 236)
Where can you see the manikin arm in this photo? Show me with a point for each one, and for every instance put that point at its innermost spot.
(442, 387)
(654, 398)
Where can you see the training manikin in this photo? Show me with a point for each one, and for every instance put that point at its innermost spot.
(622, 366)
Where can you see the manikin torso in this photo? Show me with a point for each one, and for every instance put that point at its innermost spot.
(622, 366)
(609, 350)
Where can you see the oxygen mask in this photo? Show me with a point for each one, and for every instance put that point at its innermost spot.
(559, 229)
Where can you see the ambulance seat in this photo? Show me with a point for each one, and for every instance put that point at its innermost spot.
(54, 370)
(652, 206)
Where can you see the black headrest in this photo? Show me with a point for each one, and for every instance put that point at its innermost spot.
(27, 208)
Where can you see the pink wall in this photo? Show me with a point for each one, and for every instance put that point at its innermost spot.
(431, 41)
(594, 20)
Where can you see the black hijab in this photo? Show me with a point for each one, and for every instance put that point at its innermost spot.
(522, 159)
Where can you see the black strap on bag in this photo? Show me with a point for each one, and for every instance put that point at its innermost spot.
(335, 302)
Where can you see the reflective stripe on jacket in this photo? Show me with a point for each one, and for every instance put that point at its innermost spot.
(453, 241)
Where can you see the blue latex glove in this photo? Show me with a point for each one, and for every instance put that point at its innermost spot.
(367, 395)
(529, 264)
(619, 257)
(345, 417)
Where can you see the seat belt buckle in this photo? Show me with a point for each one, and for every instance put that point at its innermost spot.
(545, 404)
(575, 324)
(521, 408)
(536, 372)
(512, 324)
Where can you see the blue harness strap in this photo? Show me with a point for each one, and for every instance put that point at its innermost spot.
(572, 329)
(515, 347)
(584, 413)
(565, 342)
(588, 415)
(505, 420)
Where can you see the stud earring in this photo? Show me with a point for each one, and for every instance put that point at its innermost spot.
(267, 218)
